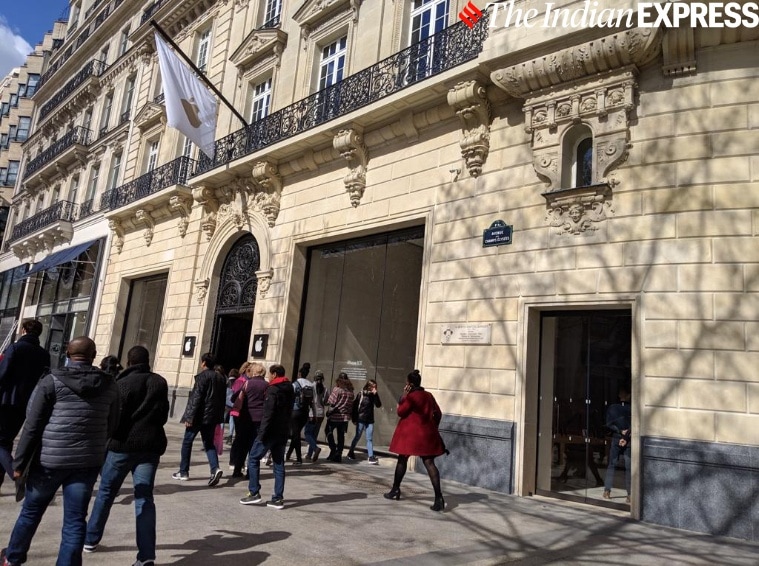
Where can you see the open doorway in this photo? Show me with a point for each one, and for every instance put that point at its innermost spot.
(584, 407)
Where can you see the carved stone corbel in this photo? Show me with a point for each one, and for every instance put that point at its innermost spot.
(350, 144)
(201, 288)
(143, 216)
(182, 205)
(264, 281)
(267, 199)
(469, 99)
(578, 210)
(118, 232)
(679, 51)
(207, 198)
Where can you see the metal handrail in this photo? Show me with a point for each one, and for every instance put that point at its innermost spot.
(93, 68)
(61, 210)
(174, 172)
(78, 135)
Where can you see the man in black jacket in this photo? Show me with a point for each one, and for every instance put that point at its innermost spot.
(136, 446)
(273, 434)
(72, 413)
(205, 410)
(22, 365)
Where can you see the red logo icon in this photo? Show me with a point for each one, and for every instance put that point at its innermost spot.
(470, 15)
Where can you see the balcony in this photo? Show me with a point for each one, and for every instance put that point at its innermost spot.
(94, 68)
(61, 212)
(174, 172)
(65, 149)
(86, 209)
(272, 23)
(446, 49)
(151, 10)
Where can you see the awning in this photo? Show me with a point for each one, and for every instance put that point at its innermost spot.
(59, 258)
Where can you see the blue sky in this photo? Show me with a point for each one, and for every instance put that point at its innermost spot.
(23, 23)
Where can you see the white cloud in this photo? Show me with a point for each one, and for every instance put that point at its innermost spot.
(13, 48)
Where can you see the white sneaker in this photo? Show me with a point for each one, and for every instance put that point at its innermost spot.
(145, 563)
(89, 548)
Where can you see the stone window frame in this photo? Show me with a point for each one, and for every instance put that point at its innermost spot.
(341, 24)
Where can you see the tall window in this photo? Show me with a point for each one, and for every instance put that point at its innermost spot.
(105, 117)
(24, 122)
(577, 157)
(584, 163)
(260, 100)
(113, 177)
(271, 13)
(144, 313)
(21, 90)
(126, 103)
(188, 148)
(14, 100)
(332, 64)
(3, 176)
(152, 155)
(12, 172)
(104, 55)
(427, 18)
(12, 129)
(74, 189)
(32, 81)
(4, 141)
(204, 47)
(93, 186)
(124, 41)
(87, 120)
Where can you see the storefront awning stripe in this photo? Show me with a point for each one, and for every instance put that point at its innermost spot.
(59, 257)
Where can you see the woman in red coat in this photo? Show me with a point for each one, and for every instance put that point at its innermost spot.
(417, 435)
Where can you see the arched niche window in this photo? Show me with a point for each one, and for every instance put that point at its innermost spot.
(577, 157)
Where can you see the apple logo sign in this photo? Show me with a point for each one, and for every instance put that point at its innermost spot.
(259, 345)
(260, 341)
(188, 346)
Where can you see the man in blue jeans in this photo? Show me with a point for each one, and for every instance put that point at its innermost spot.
(205, 410)
(273, 434)
(71, 414)
(136, 446)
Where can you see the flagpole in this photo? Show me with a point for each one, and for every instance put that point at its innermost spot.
(197, 71)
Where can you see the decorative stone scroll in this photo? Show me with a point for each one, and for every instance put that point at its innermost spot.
(182, 205)
(207, 198)
(201, 288)
(264, 281)
(470, 101)
(118, 232)
(350, 144)
(266, 199)
(143, 216)
(578, 210)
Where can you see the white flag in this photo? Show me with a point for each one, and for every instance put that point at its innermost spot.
(190, 107)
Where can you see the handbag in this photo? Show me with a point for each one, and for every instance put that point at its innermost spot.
(239, 401)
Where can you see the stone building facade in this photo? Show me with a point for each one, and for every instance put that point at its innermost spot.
(350, 225)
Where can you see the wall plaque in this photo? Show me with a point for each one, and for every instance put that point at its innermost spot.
(465, 334)
(260, 343)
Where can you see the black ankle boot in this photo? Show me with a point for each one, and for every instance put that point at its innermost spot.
(439, 504)
(394, 493)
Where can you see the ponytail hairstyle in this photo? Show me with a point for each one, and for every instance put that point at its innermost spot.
(415, 378)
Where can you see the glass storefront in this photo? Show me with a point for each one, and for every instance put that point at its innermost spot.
(361, 314)
(143, 315)
(11, 291)
(62, 295)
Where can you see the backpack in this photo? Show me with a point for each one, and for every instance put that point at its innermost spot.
(304, 396)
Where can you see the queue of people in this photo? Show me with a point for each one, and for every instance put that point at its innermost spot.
(83, 421)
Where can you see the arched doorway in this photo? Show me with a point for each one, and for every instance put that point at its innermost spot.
(235, 303)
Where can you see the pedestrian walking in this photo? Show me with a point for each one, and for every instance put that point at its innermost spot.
(363, 410)
(315, 417)
(273, 434)
(204, 412)
(338, 416)
(135, 447)
(417, 434)
(303, 404)
(72, 413)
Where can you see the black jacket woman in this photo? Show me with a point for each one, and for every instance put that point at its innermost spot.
(363, 413)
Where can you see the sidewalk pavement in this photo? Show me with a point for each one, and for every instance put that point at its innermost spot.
(335, 515)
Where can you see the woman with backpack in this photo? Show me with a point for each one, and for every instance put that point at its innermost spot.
(238, 454)
(302, 403)
(315, 417)
(417, 435)
(363, 418)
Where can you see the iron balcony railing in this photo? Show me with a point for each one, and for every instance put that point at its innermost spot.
(151, 10)
(272, 23)
(446, 49)
(86, 209)
(61, 210)
(159, 99)
(124, 117)
(174, 172)
(92, 8)
(93, 68)
(77, 135)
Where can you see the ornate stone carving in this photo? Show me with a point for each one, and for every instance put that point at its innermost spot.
(470, 101)
(350, 144)
(228, 212)
(143, 216)
(201, 288)
(118, 234)
(206, 197)
(259, 44)
(266, 198)
(578, 210)
(635, 46)
(182, 205)
(264, 281)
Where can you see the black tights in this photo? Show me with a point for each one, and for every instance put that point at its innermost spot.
(429, 464)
